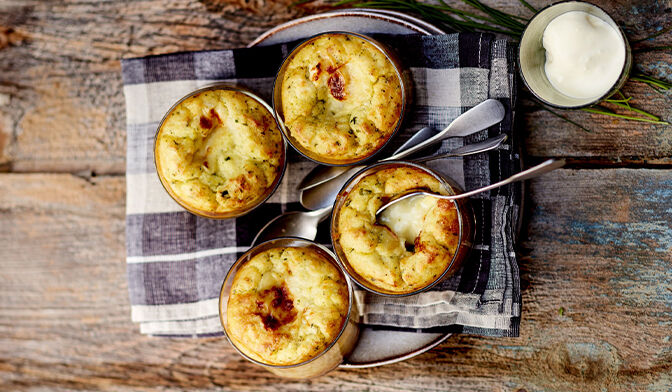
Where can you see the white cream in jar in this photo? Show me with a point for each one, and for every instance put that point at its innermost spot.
(584, 54)
(406, 217)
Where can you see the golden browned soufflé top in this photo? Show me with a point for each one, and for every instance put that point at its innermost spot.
(341, 97)
(418, 240)
(219, 151)
(287, 305)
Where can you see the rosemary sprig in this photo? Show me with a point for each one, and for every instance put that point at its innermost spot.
(546, 108)
(445, 16)
(528, 6)
(625, 103)
(501, 17)
(489, 19)
(656, 84)
(598, 109)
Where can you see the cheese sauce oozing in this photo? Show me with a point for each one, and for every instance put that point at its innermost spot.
(407, 217)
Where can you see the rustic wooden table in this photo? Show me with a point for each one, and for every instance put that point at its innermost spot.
(596, 258)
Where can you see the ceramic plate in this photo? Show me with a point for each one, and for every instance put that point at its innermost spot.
(375, 347)
(364, 21)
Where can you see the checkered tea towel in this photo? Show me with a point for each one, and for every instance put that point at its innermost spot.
(177, 261)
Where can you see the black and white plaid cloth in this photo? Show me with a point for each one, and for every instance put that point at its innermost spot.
(177, 261)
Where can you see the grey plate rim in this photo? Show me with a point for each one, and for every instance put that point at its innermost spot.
(413, 24)
(396, 358)
(410, 22)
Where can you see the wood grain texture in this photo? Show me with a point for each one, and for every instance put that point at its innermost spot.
(595, 271)
(62, 108)
(595, 265)
(60, 75)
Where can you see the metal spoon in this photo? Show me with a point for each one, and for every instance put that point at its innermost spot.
(304, 224)
(321, 174)
(323, 195)
(481, 116)
(532, 172)
(293, 224)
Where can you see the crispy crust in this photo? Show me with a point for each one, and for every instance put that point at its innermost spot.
(219, 151)
(286, 306)
(341, 97)
(376, 253)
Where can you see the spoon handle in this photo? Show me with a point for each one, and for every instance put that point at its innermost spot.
(476, 148)
(418, 137)
(532, 172)
(481, 116)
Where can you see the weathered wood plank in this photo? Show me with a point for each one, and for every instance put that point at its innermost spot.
(60, 78)
(596, 272)
(610, 140)
(62, 110)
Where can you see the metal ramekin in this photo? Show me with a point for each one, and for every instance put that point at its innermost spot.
(330, 357)
(532, 56)
(406, 93)
(464, 214)
(209, 214)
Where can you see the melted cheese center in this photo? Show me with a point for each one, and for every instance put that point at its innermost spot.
(406, 218)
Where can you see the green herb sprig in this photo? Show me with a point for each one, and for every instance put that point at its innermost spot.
(450, 18)
(492, 20)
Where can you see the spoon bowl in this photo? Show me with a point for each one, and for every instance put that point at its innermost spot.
(302, 224)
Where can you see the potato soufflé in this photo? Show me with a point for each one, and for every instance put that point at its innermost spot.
(219, 151)
(287, 305)
(407, 250)
(341, 98)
